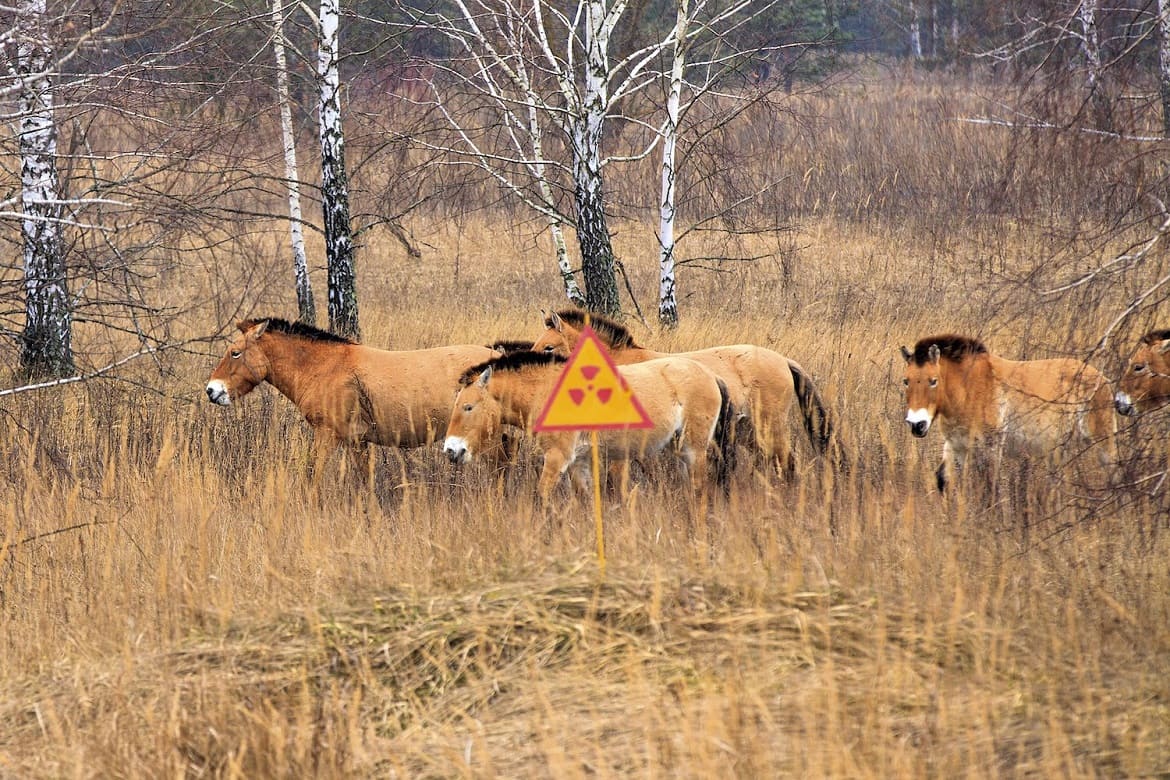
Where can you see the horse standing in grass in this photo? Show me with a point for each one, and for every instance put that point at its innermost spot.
(685, 401)
(1036, 405)
(761, 383)
(1145, 384)
(350, 394)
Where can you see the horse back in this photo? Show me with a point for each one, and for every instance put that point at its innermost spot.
(749, 371)
(404, 398)
(1048, 396)
(676, 393)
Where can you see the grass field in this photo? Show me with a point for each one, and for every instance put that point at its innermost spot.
(175, 600)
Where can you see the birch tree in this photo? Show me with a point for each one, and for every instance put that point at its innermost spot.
(339, 250)
(306, 307)
(1088, 13)
(667, 299)
(537, 68)
(46, 344)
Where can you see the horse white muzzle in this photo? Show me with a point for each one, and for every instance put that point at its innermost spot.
(217, 393)
(455, 448)
(1124, 404)
(919, 421)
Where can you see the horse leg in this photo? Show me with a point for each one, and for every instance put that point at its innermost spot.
(555, 463)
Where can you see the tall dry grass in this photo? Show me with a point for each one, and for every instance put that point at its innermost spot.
(175, 599)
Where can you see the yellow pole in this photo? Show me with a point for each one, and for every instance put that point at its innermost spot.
(597, 505)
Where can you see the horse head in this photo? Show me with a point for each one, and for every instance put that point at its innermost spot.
(243, 366)
(922, 389)
(1146, 380)
(475, 421)
(558, 338)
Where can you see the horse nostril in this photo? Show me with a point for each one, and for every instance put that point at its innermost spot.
(918, 428)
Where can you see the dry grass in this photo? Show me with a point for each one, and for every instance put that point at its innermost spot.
(175, 601)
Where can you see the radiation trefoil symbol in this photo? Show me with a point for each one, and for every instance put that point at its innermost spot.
(590, 394)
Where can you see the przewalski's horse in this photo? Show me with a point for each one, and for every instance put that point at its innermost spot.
(685, 401)
(1145, 384)
(762, 383)
(1036, 405)
(348, 393)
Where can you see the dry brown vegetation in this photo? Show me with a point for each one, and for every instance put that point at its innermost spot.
(175, 601)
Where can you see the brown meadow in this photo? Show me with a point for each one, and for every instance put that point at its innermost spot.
(176, 600)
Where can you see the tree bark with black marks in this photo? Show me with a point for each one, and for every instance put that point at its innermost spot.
(46, 343)
(339, 250)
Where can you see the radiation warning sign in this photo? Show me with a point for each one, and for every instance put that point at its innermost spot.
(590, 394)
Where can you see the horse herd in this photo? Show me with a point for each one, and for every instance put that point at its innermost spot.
(702, 404)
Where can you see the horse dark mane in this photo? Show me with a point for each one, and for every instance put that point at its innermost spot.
(950, 346)
(514, 361)
(298, 329)
(508, 346)
(612, 332)
(1154, 336)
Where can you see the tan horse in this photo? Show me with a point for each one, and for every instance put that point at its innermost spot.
(348, 393)
(685, 401)
(1036, 405)
(762, 383)
(1146, 382)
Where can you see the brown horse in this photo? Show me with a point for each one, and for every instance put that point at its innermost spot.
(685, 401)
(349, 393)
(1146, 382)
(762, 383)
(1036, 405)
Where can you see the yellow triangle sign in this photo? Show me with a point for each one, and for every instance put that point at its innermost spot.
(590, 394)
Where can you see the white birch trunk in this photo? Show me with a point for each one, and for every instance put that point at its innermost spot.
(1091, 47)
(667, 298)
(46, 348)
(305, 304)
(1164, 63)
(343, 305)
(597, 259)
(915, 31)
(556, 229)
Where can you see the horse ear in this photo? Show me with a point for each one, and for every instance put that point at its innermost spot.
(1165, 346)
(243, 325)
(934, 353)
(258, 331)
(485, 377)
(554, 321)
(907, 354)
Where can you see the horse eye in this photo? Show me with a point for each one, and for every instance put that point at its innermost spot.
(549, 348)
(1139, 367)
(467, 407)
(906, 382)
(236, 355)
(934, 381)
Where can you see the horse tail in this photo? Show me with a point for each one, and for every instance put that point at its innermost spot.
(724, 436)
(817, 423)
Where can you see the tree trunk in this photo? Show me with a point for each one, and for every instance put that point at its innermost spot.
(305, 305)
(597, 261)
(667, 298)
(1095, 83)
(915, 32)
(555, 228)
(1164, 63)
(46, 348)
(343, 304)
